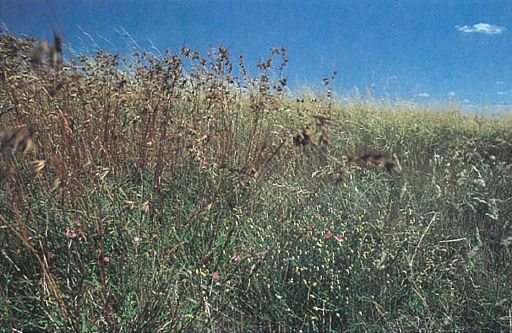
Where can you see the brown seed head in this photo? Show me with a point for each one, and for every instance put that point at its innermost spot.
(37, 166)
(322, 120)
(19, 138)
(325, 137)
(308, 136)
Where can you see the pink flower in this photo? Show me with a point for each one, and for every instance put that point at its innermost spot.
(236, 258)
(340, 237)
(215, 276)
(70, 233)
(50, 255)
(137, 239)
(106, 259)
(328, 235)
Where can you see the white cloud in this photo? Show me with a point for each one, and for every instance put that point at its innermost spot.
(451, 93)
(500, 82)
(466, 101)
(483, 28)
(423, 94)
(502, 93)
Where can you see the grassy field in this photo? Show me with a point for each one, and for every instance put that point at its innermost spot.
(188, 193)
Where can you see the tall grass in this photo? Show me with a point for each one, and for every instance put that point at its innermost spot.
(180, 193)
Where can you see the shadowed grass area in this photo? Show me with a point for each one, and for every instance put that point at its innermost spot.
(179, 193)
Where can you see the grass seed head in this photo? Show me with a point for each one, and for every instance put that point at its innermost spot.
(57, 185)
(394, 164)
(43, 53)
(325, 137)
(321, 120)
(37, 166)
(390, 162)
(145, 207)
(19, 139)
(304, 138)
(57, 42)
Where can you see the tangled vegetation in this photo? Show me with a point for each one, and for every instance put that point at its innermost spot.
(181, 193)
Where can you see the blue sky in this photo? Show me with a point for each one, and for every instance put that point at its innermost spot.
(428, 51)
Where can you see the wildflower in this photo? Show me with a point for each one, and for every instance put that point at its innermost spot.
(50, 255)
(106, 259)
(70, 233)
(137, 239)
(215, 276)
(236, 258)
(339, 237)
(328, 235)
